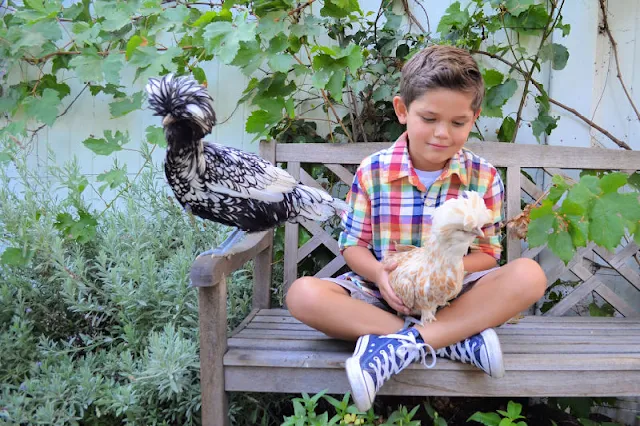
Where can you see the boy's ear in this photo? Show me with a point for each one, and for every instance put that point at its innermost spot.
(477, 114)
(401, 109)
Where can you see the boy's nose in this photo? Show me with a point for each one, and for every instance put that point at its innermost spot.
(441, 131)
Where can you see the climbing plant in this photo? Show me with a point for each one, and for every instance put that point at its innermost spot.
(320, 71)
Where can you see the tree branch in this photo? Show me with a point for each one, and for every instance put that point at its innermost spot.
(529, 76)
(299, 8)
(538, 86)
(33, 135)
(614, 46)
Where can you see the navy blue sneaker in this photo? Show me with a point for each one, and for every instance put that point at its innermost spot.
(377, 358)
(482, 350)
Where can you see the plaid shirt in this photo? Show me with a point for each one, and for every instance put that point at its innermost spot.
(391, 204)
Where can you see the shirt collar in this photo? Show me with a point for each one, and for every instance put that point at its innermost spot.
(399, 164)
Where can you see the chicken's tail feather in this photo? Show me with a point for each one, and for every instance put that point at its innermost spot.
(181, 98)
(316, 204)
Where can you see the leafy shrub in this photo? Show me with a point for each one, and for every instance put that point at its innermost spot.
(98, 324)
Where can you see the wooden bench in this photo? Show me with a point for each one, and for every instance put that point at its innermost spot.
(547, 355)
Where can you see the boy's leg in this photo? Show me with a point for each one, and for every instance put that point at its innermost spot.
(462, 331)
(328, 307)
(494, 299)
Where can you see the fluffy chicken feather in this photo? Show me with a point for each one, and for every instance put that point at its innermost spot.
(428, 277)
(224, 184)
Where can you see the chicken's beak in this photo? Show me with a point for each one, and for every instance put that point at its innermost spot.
(478, 231)
(168, 119)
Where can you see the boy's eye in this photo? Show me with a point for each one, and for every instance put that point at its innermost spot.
(429, 120)
(458, 124)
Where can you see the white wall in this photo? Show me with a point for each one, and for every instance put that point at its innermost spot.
(588, 84)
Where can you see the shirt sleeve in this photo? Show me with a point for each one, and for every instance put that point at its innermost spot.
(356, 225)
(493, 199)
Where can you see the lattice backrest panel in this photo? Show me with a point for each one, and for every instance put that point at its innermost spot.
(341, 160)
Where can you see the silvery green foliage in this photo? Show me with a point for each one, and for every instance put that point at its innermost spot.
(103, 330)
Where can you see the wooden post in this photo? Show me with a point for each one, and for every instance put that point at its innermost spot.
(262, 263)
(262, 276)
(512, 210)
(291, 239)
(212, 303)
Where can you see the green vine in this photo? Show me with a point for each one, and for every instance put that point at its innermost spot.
(319, 71)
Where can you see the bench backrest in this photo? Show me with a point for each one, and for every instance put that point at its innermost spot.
(512, 158)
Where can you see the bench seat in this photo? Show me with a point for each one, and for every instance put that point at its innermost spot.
(273, 352)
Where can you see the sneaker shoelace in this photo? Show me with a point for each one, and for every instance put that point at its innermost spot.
(463, 352)
(408, 351)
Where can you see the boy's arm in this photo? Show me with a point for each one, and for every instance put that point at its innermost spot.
(364, 263)
(485, 251)
(478, 261)
(355, 241)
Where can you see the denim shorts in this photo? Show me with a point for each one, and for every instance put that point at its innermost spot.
(374, 298)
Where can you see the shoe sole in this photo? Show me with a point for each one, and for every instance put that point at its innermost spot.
(496, 363)
(359, 389)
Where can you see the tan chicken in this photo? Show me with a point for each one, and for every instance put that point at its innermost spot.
(428, 277)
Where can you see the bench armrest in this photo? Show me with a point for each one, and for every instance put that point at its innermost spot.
(208, 272)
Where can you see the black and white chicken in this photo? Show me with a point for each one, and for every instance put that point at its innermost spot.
(224, 184)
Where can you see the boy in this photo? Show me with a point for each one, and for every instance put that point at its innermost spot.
(393, 195)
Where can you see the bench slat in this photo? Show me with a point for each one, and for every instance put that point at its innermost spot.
(498, 154)
(628, 324)
(523, 362)
(439, 382)
(278, 312)
(502, 331)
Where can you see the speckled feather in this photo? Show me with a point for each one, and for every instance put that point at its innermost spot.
(428, 277)
(224, 184)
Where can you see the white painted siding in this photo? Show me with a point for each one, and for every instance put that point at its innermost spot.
(588, 84)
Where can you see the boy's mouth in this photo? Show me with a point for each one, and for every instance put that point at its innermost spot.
(437, 146)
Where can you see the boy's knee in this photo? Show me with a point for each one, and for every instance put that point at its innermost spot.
(300, 292)
(529, 272)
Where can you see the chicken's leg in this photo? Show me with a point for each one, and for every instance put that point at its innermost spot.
(236, 242)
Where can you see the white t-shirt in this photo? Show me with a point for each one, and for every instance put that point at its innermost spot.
(427, 178)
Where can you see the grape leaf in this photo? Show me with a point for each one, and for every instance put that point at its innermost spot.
(109, 144)
(124, 106)
(45, 108)
(612, 181)
(501, 93)
(606, 226)
(545, 209)
(556, 53)
(111, 67)
(152, 63)
(507, 130)
(335, 84)
(592, 183)
(132, 44)
(516, 7)
(492, 78)
(88, 65)
(538, 231)
(82, 230)
(113, 178)
(578, 229)
(281, 62)
(581, 195)
(560, 242)
(454, 17)
(155, 136)
(14, 256)
(634, 181)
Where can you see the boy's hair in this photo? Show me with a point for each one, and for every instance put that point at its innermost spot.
(441, 67)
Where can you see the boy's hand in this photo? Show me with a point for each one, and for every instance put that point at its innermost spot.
(382, 280)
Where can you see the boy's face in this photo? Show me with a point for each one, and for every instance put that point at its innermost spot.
(438, 125)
